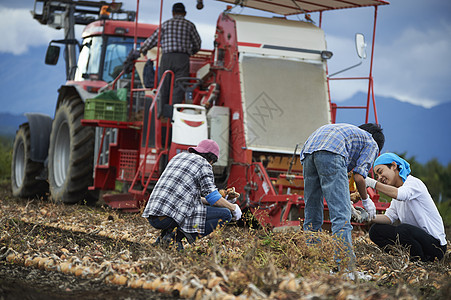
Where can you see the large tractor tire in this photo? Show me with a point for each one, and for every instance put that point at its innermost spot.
(24, 171)
(71, 153)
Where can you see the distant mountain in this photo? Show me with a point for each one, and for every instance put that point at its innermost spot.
(9, 123)
(420, 132)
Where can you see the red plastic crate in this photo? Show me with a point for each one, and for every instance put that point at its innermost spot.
(128, 160)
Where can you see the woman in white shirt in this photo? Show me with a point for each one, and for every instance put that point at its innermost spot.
(421, 226)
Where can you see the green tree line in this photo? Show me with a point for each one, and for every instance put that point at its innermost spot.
(5, 158)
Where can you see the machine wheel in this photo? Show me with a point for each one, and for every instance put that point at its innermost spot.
(24, 171)
(71, 153)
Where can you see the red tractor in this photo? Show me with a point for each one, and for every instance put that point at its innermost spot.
(259, 94)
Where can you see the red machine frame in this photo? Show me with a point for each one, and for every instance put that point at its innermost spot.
(267, 197)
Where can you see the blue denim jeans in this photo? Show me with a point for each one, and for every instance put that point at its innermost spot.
(216, 216)
(165, 224)
(326, 177)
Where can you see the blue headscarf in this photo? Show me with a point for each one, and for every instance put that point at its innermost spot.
(388, 158)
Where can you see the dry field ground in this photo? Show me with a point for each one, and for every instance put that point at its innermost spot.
(53, 251)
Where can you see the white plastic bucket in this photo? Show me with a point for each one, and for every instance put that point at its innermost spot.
(189, 124)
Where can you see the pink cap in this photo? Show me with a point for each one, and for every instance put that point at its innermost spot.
(206, 146)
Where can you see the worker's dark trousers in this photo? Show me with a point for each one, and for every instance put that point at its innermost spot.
(167, 224)
(216, 217)
(420, 243)
(179, 64)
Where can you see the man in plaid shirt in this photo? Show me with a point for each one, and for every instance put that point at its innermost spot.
(185, 197)
(328, 155)
(179, 39)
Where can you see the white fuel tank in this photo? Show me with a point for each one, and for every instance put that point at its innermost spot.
(189, 124)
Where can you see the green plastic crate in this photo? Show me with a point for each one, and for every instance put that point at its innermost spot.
(100, 109)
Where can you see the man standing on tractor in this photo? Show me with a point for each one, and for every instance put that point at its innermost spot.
(179, 39)
(328, 155)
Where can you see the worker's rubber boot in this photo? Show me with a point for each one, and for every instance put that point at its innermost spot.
(178, 240)
(160, 238)
(180, 235)
(166, 237)
(157, 242)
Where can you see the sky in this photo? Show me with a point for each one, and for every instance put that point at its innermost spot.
(411, 60)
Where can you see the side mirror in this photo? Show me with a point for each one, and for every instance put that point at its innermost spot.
(360, 45)
(361, 52)
(52, 55)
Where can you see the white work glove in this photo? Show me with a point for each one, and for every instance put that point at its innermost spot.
(230, 199)
(236, 213)
(359, 214)
(370, 182)
(355, 214)
(369, 206)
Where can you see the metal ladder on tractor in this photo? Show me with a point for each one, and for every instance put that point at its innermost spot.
(140, 184)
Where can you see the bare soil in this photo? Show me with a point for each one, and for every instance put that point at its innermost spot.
(20, 282)
(55, 251)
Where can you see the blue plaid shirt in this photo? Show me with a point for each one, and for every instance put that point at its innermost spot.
(356, 145)
(178, 35)
(187, 177)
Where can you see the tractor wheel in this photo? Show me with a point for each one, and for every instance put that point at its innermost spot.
(71, 153)
(24, 171)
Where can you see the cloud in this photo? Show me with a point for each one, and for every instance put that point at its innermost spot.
(206, 32)
(23, 31)
(414, 67)
(411, 66)
(345, 56)
(205, 19)
(410, 60)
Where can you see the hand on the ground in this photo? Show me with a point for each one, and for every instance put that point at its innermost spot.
(236, 213)
(369, 206)
(370, 182)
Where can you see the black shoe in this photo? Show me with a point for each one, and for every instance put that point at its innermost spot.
(168, 239)
(191, 238)
(157, 242)
(165, 238)
(179, 246)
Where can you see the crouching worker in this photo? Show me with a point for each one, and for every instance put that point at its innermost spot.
(421, 227)
(177, 199)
